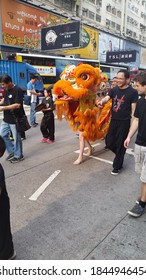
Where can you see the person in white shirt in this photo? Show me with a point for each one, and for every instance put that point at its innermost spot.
(34, 95)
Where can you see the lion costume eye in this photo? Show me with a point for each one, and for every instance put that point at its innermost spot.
(85, 77)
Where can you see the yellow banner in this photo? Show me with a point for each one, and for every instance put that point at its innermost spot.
(88, 43)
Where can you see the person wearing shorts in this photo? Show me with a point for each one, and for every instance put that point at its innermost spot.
(139, 125)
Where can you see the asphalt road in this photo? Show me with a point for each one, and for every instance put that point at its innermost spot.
(60, 211)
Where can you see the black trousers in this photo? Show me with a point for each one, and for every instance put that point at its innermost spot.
(6, 243)
(115, 138)
(48, 126)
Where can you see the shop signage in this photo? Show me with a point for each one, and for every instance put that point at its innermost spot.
(121, 56)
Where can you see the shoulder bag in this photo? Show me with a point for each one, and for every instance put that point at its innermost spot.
(22, 123)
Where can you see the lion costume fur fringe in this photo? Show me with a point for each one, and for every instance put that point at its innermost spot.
(77, 94)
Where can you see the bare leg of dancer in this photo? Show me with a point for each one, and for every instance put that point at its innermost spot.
(91, 149)
(82, 146)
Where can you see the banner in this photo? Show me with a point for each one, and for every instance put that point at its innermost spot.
(61, 36)
(88, 44)
(21, 24)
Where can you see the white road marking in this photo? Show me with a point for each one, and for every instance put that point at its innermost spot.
(97, 158)
(44, 185)
(128, 151)
(101, 159)
(94, 145)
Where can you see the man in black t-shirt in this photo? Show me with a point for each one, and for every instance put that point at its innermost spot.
(124, 99)
(139, 123)
(12, 106)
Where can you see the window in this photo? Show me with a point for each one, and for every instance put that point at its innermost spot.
(22, 75)
(99, 3)
(58, 2)
(67, 4)
(64, 3)
(114, 11)
(98, 18)
(107, 22)
(41, 61)
(129, 32)
(108, 8)
(119, 14)
(118, 27)
(134, 35)
(91, 15)
(113, 24)
(92, 1)
(49, 79)
(77, 10)
(85, 12)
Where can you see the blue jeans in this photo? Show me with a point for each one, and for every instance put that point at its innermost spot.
(12, 147)
(32, 113)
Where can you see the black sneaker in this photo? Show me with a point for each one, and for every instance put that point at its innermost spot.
(136, 211)
(115, 172)
(15, 160)
(10, 156)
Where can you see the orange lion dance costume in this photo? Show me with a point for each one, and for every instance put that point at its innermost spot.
(78, 92)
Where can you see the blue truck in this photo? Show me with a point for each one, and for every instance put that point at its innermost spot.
(20, 72)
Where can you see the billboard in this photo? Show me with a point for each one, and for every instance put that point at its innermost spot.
(88, 44)
(21, 24)
(62, 36)
(116, 50)
(110, 43)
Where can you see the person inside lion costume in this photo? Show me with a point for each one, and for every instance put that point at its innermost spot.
(77, 91)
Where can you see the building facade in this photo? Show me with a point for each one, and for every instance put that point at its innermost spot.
(125, 18)
(112, 27)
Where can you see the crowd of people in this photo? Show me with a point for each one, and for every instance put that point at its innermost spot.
(12, 107)
(128, 115)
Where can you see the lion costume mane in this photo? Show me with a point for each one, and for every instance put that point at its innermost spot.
(77, 94)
